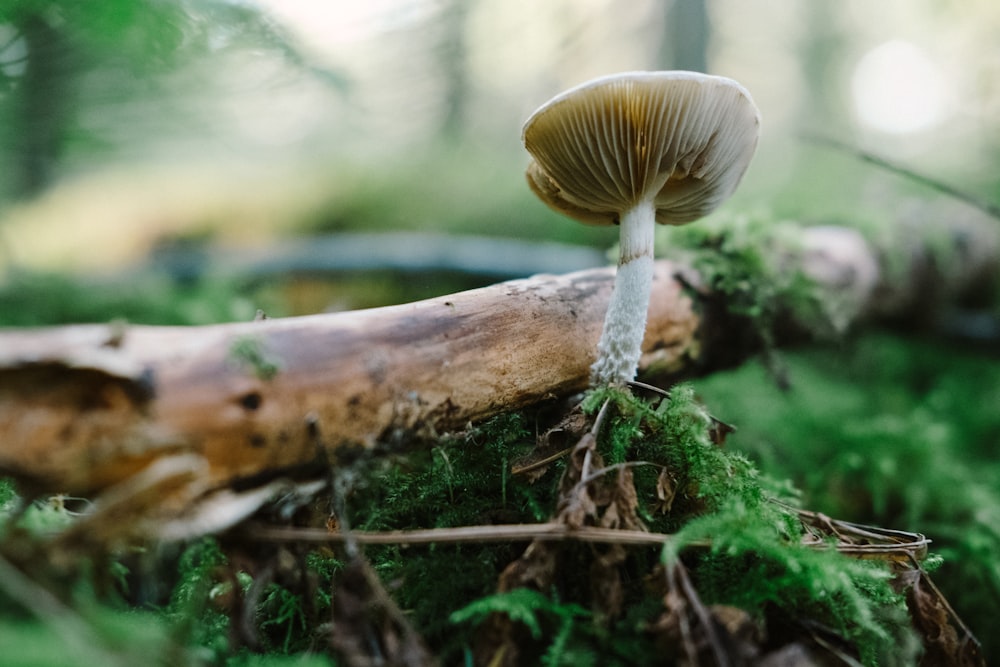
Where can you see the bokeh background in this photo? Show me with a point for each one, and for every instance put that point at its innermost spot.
(192, 161)
(130, 126)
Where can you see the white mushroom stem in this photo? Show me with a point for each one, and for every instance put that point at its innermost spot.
(620, 346)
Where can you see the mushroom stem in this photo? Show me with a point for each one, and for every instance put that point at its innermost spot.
(620, 346)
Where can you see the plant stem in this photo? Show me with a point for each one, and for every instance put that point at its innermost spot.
(620, 346)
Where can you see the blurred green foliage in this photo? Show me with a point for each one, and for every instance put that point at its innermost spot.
(886, 429)
(881, 429)
(83, 84)
(36, 299)
(892, 431)
(755, 559)
(456, 189)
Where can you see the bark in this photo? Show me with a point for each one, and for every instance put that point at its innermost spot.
(85, 407)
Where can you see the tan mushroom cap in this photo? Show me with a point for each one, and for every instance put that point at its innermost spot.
(602, 147)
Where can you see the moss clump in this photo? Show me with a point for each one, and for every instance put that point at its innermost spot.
(755, 559)
(757, 564)
(248, 351)
(890, 431)
(740, 547)
(732, 529)
(754, 261)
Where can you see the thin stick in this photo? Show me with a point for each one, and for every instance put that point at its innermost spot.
(546, 532)
(989, 209)
(721, 659)
(520, 470)
(601, 472)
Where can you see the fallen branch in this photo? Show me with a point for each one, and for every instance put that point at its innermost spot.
(527, 532)
(822, 533)
(83, 408)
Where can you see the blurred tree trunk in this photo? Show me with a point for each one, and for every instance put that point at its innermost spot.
(685, 36)
(822, 53)
(44, 103)
(453, 53)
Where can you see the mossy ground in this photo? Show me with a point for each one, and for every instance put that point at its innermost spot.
(740, 548)
(884, 429)
(892, 431)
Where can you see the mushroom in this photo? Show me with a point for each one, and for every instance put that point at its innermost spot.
(634, 149)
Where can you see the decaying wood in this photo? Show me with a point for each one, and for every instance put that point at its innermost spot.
(83, 408)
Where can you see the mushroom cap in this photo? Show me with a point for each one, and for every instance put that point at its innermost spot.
(683, 139)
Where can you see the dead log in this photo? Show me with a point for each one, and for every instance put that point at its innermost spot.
(85, 407)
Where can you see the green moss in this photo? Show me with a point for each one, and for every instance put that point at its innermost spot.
(189, 608)
(257, 660)
(756, 563)
(249, 352)
(8, 496)
(741, 548)
(41, 518)
(892, 432)
(563, 629)
(751, 260)
(521, 605)
(676, 435)
(756, 560)
(889, 431)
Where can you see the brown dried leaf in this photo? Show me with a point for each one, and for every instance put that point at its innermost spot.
(552, 445)
(534, 569)
(569, 430)
(666, 491)
(690, 633)
(896, 547)
(607, 594)
(582, 460)
(625, 503)
(578, 505)
(498, 638)
(719, 430)
(947, 641)
(368, 628)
